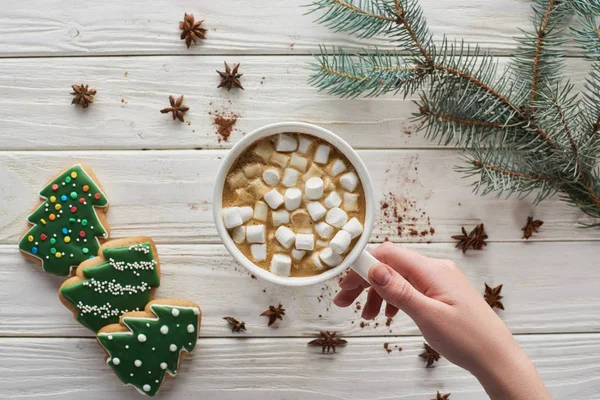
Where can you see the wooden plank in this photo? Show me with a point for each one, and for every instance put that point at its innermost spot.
(287, 368)
(545, 291)
(132, 90)
(167, 195)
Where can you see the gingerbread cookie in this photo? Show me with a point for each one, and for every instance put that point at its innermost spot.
(147, 345)
(118, 281)
(68, 222)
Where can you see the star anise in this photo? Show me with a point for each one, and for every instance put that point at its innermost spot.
(236, 326)
(328, 341)
(230, 77)
(479, 237)
(83, 96)
(442, 396)
(492, 296)
(475, 239)
(274, 313)
(531, 226)
(429, 355)
(177, 108)
(191, 30)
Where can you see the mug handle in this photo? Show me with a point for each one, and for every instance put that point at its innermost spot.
(363, 264)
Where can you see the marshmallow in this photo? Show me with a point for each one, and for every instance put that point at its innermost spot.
(246, 213)
(232, 217)
(239, 234)
(304, 145)
(242, 196)
(261, 211)
(299, 162)
(317, 261)
(285, 236)
(350, 202)
(313, 171)
(281, 264)
(301, 221)
(292, 198)
(305, 241)
(322, 154)
(322, 243)
(336, 168)
(324, 230)
(329, 257)
(340, 242)
(298, 255)
(333, 200)
(336, 217)
(349, 181)
(316, 210)
(279, 159)
(264, 150)
(286, 143)
(259, 252)
(274, 199)
(252, 170)
(328, 184)
(237, 180)
(290, 177)
(314, 188)
(280, 217)
(258, 188)
(271, 176)
(353, 227)
(255, 233)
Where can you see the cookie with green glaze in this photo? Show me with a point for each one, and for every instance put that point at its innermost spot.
(145, 347)
(120, 279)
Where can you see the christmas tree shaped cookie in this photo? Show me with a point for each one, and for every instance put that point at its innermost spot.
(119, 280)
(68, 222)
(147, 345)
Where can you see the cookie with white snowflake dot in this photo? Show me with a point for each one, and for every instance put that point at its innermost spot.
(146, 347)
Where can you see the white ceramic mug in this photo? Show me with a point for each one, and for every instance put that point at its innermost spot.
(358, 258)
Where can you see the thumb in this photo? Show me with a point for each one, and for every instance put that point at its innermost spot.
(397, 291)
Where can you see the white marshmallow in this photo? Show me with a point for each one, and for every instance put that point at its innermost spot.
(285, 236)
(298, 255)
(316, 210)
(340, 242)
(336, 217)
(322, 154)
(301, 221)
(304, 145)
(349, 181)
(239, 234)
(313, 171)
(322, 243)
(237, 180)
(314, 188)
(333, 200)
(232, 217)
(324, 230)
(261, 211)
(305, 241)
(252, 170)
(329, 257)
(255, 233)
(290, 177)
(246, 213)
(264, 150)
(279, 159)
(299, 162)
(258, 188)
(259, 252)
(281, 264)
(293, 199)
(350, 202)
(286, 143)
(353, 227)
(337, 167)
(280, 217)
(328, 184)
(271, 176)
(317, 261)
(274, 199)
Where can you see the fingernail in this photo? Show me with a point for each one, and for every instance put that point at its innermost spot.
(381, 275)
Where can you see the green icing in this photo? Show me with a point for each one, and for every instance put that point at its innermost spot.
(120, 284)
(143, 356)
(57, 220)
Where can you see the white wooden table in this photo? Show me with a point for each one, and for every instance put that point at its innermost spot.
(131, 53)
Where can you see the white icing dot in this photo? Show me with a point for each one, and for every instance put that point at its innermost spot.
(164, 329)
(148, 325)
(116, 361)
(173, 348)
(196, 311)
(149, 372)
(146, 388)
(131, 374)
(163, 365)
(175, 312)
(156, 381)
(110, 337)
(154, 349)
(126, 346)
(141, 338)
(137, 363)
(191, 328)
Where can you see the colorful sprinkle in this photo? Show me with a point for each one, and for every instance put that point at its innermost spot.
(57, 207)
(30, 238)
(67, 239)
(55, 187)
(73, 195)
(53, 250)
(43, 236)
(58, 254)
(84, 222)
(81, 200)
(52, 199)
(63, 197)
(65, 231)
(97, 196)
(68, 179)
(73, 174)
(85, 250)
(43, 221)
(52, 240)
(72, 220)
(73, 209)
(34, 250)
(82, 234)
(52, 217)
(86, 188)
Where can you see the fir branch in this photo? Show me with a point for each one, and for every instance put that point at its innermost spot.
(541, 34)
(405, 20)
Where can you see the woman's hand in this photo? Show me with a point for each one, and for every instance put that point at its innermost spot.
(453, 317)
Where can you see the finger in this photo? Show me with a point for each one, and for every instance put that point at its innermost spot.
(347, 297)
(353, 281)
(373, 306)
(396, 290)
(410, 264)
(390, 310)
